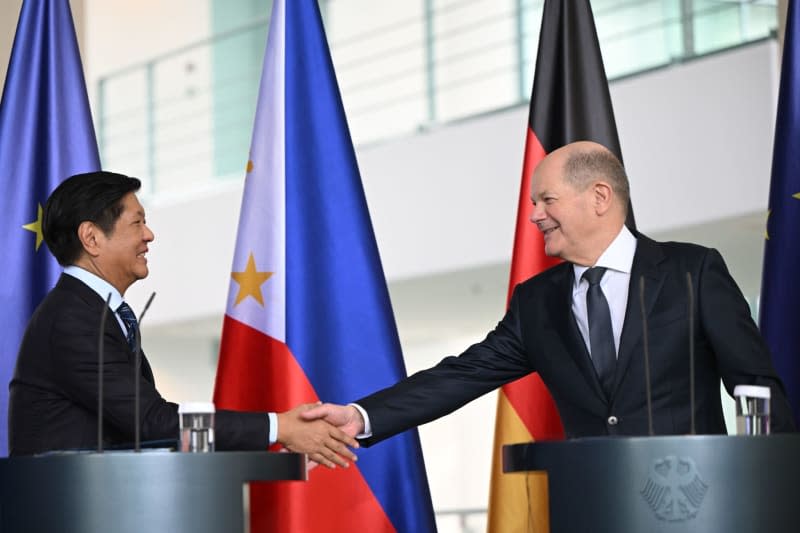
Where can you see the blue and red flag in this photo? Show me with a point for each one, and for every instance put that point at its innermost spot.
(780, 288)
(308, 313)
(46, 135)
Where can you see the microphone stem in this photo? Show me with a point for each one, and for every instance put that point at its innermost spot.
(100, 361)
(645, 340)
(137, 376)
(137, 440)
(691, 348)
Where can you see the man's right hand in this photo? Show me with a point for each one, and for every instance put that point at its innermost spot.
(322, 441)
(345, 417)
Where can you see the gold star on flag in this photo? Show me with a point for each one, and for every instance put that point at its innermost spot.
(250, 281)
(796, 196)
(36, 227)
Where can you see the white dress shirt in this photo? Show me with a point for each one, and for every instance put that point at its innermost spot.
(101, 287)
(618, 261)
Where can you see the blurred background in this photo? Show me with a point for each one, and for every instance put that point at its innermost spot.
(436, 94)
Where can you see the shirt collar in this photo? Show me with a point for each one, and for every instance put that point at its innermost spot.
(97, 284)
(618, 256)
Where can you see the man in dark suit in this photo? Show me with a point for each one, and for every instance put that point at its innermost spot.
(579, 324)
(95, 227)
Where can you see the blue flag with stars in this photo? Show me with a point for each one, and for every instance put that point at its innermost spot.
(780, 288)
(46, 135)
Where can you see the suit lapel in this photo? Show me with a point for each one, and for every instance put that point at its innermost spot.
(645, 266)
(112, 326)
(560, 307)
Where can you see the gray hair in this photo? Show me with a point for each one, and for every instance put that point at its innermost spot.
(584, 166)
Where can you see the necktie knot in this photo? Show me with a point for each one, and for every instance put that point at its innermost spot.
(594, 275)
(131, 324)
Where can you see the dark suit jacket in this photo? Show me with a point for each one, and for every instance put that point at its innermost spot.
(539, 334)
(53, 394)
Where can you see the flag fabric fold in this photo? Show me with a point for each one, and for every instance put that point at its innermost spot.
(570, 102)
(780, 287)
(46, 135)
(308, 315)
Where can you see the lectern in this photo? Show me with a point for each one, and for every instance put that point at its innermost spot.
(128, 492)
(703, 484)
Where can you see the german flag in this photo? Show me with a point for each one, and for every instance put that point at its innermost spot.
(570, 102)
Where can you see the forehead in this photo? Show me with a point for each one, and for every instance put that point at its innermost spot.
(131, 204)
(547, 177)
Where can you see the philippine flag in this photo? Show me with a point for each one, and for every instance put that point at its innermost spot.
(308, 313)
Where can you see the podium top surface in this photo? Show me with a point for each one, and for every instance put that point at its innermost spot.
(530, 456)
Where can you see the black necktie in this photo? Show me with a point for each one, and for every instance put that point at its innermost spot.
(129, 318)
(601, 335)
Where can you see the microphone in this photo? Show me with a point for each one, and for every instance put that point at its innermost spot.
(100, 360)
(646, 358)
(690, 292)
(137, 375)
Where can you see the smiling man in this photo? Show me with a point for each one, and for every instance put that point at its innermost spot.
(579, 325)
(95, 227)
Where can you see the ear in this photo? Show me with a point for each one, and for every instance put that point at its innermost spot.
(89, 235)
(602, 197)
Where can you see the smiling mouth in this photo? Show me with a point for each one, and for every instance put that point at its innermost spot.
(547, 231)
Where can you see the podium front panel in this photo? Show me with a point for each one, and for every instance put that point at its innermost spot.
(702, 484)
(129, 492)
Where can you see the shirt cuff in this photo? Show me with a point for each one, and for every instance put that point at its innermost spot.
(367, 426)
(273, 428)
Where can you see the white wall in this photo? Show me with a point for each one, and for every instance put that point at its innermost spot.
(120, 33)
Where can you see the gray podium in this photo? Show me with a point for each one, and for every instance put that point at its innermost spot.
(703, 484)
(128, 492)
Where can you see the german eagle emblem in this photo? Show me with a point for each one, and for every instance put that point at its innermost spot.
(674, 489)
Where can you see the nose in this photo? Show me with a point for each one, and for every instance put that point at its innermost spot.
(537, 214)
(149, 236)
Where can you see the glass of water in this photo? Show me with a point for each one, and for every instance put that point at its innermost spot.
(196, 427)
(752, 409)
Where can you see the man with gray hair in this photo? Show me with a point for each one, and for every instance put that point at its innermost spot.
(579, 325)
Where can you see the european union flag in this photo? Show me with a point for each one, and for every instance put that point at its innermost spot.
(780, 289)
(46, 135)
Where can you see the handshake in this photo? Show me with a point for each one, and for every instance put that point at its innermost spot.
(325, 432)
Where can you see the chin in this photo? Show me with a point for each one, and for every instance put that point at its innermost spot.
(551, 251)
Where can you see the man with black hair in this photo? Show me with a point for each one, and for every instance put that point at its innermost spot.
(95, 227)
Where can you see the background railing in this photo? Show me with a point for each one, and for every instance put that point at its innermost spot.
(183, 120)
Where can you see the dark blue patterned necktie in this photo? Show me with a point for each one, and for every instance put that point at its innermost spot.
(129, 318)
(601, 334)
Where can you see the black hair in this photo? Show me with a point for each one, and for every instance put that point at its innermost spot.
(94, 197)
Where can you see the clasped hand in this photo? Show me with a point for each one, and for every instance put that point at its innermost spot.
(307, 429)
